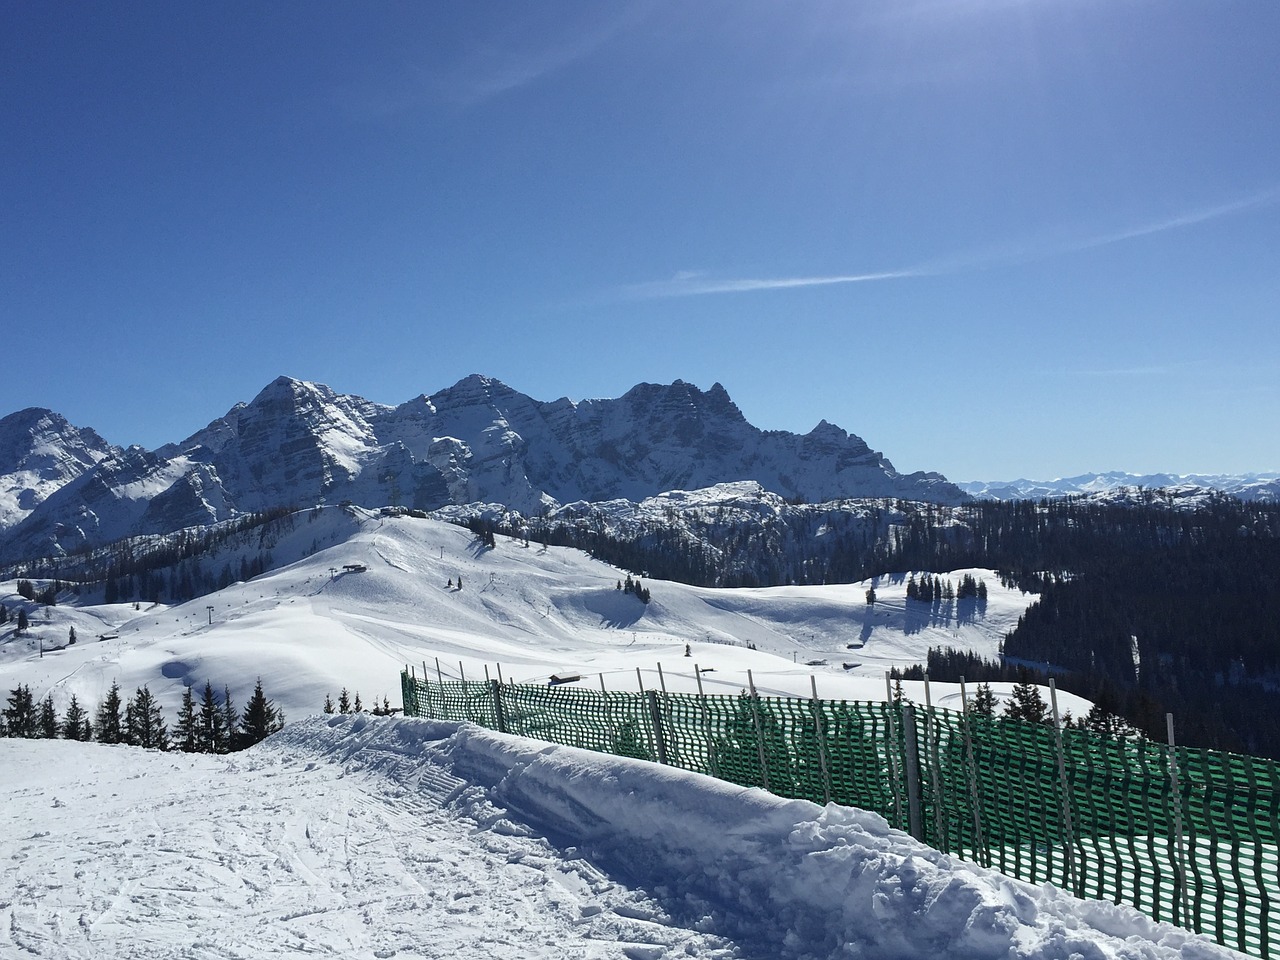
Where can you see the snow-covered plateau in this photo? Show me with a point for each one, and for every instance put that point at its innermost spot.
(359, 837)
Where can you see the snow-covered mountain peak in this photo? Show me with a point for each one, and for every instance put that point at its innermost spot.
(1264, 487)
(41, 452)
(301, 443)
(39, 439)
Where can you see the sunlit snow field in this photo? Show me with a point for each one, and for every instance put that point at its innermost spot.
(308, 628)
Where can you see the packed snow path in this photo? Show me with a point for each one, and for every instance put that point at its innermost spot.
(357, 837)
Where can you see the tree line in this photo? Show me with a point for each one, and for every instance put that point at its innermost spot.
(213, 725)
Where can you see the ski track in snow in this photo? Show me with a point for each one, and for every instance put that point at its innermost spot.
(359, 837)
(275, 853)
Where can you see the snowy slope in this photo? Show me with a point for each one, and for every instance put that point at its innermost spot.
(309, 628)
(359, 837)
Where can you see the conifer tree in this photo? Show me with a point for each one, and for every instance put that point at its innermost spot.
(1102, 722)
(20, 716)
(357, 707)
(48, 721)
(1025, 703)
(109, 726)
(328, 703)
(260, 719)
(187, 732)
(213, 734)
(983, 702)
(230, 722)
(344, 701)
(145, 726)
(75, 722)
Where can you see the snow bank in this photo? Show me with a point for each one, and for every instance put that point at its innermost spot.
(780, 878)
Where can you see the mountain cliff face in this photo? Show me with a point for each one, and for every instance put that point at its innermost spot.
(40, 452)
(299, 443)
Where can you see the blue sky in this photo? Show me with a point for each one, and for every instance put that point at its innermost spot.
(994, 238)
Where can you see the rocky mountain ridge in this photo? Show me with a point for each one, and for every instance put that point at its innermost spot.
(300, 443)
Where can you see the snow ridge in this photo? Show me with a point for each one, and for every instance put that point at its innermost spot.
(779, 878)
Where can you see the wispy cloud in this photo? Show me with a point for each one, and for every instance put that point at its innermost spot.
(692, 284)
(1190, 218)
(1151, 370)
(515, 57)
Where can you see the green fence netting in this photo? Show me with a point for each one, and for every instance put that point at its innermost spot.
(1185, 835)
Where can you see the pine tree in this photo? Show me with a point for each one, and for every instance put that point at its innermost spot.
(328, 703)
(213, 733)
(357, 707)
(230, 722)
(1103, 723)
(260, 719)
(48, 721)
(145, 722)
(20, 716)
(983, 702)
(109, 726)
(1025, 703)
(344, 701)
(187, 732)
(75, 722)
(23, 622)
(71, 636)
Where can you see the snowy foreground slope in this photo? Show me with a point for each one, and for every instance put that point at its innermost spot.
(308, 628)
(361, 837)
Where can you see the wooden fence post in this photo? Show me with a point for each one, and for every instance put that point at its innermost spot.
(495, 690)
(655, 715)
(891, 752)
(981, 853)
(1077, 883)
(755, 719)
(821, 740)
(912, 750)
(1180, 851)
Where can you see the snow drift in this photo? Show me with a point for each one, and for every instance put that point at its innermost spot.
(370, 837)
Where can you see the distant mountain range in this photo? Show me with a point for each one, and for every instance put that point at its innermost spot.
(297, 443)
(1264, 487)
